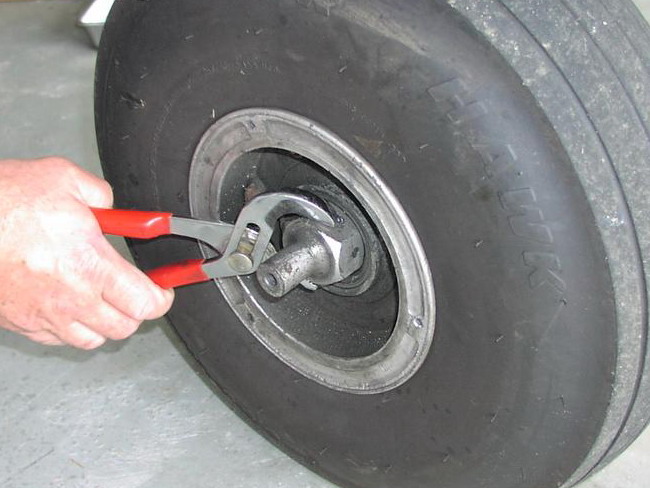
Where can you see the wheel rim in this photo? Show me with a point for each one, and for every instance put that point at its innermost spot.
(364, 336)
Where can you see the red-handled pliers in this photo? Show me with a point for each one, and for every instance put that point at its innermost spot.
(242, 246)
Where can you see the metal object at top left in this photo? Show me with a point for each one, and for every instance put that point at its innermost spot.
(94, 17)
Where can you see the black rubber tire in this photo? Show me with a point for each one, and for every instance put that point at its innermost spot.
(514, 133)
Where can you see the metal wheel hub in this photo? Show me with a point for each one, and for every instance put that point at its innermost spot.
(369, 325)
(312, 254)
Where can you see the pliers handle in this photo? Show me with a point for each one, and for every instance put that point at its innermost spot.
(242, 246)
(138, 224)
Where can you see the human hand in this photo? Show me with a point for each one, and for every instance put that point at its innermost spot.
(61, 282)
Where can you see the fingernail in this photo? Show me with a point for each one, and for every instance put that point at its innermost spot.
(95, 342)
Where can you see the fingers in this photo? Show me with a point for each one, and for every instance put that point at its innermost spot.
(43, 337)
(130, 291)
(110, 322)
(78, 335)
(110, 300)
(127, 298)
(133, 294)
(114, 309)
(93, 327)
(90, 328)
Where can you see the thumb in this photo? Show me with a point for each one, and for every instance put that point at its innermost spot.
(94, 191)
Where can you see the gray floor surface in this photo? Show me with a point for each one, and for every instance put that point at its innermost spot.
(133, 414)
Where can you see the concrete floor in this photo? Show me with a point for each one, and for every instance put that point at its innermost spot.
(133, 414)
